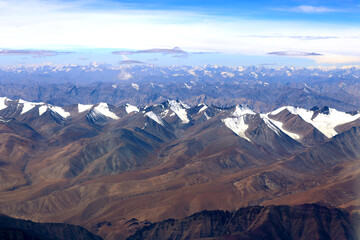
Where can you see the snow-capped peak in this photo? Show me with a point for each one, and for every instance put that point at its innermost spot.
(27, 106)
(59, 111)
(179, 109)
(103, 108)
(237, 122)
(239, 111)
(3, 100)
(56, 109)
(237, 125)
(84, 107)
(42, 110)
(325, 123)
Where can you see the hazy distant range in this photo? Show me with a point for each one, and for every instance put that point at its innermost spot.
(260, 88)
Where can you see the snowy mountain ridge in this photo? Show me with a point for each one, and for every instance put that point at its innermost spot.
(236, 118)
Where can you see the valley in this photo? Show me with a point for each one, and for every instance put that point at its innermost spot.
(100, 166)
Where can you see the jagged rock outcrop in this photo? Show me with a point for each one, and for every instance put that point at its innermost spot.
(17, 229)
(256, 223)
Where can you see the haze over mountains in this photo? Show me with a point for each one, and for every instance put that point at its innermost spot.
(261, 88)
(114, 169)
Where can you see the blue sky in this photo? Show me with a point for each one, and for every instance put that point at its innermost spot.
(299, 33)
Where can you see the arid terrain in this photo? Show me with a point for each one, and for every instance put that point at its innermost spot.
(179, 120)
(117, 169)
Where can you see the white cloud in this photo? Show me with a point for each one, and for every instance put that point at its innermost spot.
(327, 59)
(313, 9)
(336, 59)
(39, 24)
(294, 53)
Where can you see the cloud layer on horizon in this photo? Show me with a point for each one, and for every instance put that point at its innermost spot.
(309, 9)
(34, 53)
(175, 50)
(123, 62)
(294, 54)
(36, 24)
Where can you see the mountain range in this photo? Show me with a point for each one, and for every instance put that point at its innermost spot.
(101, 166)
(262, 88)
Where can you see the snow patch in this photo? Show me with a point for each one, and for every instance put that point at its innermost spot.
(208, 73)
(3, 120)
(184, 105)
(279, 125)
(237, 125)
(279, 110)
(270, 124)
(103, 109)
(130, 108)
(187, 86)
(192, 72)
(227, 74)
(154, 117)
(42, 109)
(240, 68)
(325, 123)
(239, 111)
(59, 111)
(164, 113)
(203, 108)
(178, 109)
(290, 134)
(3, 100)
(207, 116)
(135, 86)
(83, 107)
(27, 106)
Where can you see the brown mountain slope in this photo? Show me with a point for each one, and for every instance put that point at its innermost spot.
(17, 229)
(309, 135)
(342, 147)
(271, 222)
(100, 172)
